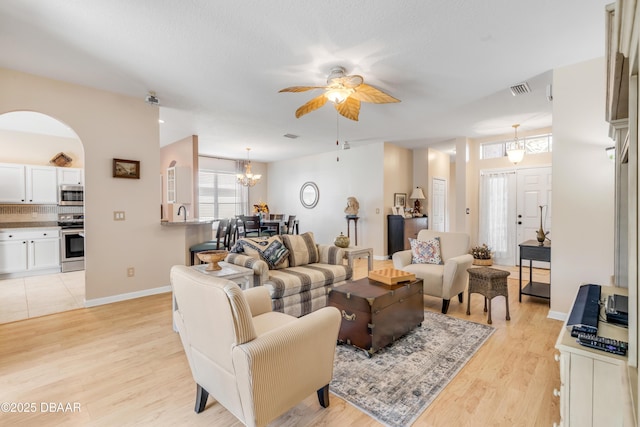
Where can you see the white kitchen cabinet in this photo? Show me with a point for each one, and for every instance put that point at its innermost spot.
(29, 250)
(43, 253)
(12, 183)
(70, 176)
(28, 184)
(13, 256)
(591, 391)
(42, 187)
(179, 188)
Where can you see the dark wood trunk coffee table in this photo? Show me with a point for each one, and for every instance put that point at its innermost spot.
(375, 314)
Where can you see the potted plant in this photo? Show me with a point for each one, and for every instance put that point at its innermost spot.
(482, 255)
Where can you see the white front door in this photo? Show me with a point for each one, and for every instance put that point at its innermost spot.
(438, 203)
(534, 190)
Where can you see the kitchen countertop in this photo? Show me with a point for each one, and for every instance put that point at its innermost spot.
(187, 222)
(30, 224)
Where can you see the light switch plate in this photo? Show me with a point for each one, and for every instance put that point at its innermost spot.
(118, 215)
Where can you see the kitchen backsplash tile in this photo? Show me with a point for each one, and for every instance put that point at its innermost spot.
(34, 213)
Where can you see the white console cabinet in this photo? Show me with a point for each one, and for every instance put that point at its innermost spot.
(592, 381)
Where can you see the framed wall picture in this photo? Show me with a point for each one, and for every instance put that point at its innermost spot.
(399, 199)
(126, 168)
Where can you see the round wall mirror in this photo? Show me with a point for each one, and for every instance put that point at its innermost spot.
(309, 195)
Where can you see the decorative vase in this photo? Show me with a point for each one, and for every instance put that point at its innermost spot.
(485, 262)
(540, 235)
(341, 241)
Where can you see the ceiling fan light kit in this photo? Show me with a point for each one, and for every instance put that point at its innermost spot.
(345, 92)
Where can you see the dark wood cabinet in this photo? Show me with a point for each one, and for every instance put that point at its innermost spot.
(399, 230)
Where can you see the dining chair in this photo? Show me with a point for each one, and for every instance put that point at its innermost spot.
(251, 225)
(272, 228)
(291, 224)
(218, 243)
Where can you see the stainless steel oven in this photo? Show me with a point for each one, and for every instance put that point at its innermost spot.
(71, 195)
(71, 242)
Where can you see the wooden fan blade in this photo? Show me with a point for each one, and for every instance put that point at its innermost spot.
(300, 88)
(367, 93)
(314, 104)
(350, 108)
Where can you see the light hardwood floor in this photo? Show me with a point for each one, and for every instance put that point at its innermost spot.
(122, 364)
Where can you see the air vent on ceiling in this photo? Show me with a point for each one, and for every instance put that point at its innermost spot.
(520, 89)
(152, 99)
(290, 135)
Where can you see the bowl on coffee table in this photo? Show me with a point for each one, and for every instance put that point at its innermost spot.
(213, 258)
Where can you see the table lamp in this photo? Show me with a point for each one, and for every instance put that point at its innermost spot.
(418, 195)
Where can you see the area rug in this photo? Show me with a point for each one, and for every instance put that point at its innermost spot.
(399, 382)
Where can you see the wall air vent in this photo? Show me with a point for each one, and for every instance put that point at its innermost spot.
(290, 135)
(520, 89)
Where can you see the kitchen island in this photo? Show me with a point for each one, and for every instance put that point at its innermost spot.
(189, 233)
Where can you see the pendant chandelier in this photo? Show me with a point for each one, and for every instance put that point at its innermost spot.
(248, 179)
(516, 149)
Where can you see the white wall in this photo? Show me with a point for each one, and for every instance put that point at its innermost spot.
(38, 149)
(109, 126)
(583, 183)
(358, 173)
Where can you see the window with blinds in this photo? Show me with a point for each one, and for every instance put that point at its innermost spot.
(219, 194)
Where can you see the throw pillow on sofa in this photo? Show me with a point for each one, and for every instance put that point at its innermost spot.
(271, 250)
(425, 251)
(302, 249)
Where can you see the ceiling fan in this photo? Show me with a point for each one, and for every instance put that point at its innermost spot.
(346, 92)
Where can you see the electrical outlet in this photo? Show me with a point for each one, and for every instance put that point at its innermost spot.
(131, 272)
(377, 210)
(118, 215)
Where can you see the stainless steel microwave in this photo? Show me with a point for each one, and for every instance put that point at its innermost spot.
(71, 195)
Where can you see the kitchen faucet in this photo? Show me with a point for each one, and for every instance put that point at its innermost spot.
(185, 212)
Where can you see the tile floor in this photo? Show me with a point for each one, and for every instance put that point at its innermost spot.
(35, 296)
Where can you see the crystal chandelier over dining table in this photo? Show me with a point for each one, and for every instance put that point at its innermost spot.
(248, 179)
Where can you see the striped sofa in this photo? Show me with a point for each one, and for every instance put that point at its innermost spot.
(297, 271)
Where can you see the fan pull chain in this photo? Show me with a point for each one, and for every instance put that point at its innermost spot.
(337, 136)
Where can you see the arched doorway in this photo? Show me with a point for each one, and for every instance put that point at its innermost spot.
(31, 281)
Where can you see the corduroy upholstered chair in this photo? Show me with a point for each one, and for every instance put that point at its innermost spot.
(256, 363)
(445, 280)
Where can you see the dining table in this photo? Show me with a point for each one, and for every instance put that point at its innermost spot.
(277, 224)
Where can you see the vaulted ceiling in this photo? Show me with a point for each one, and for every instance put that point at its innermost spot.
(217, 66)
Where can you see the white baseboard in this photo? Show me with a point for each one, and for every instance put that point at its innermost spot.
(557, 315)
(123, 297)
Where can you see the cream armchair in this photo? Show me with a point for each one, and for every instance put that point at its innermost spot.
(256, 363)
(442, 281)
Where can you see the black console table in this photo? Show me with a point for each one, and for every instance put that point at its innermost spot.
(533, 251)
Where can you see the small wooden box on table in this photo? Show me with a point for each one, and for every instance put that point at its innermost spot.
(489, 282)
(375, 314)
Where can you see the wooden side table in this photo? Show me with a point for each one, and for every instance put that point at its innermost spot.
(534, 251)
(355, 226)
(489, 282)
(353, 252)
